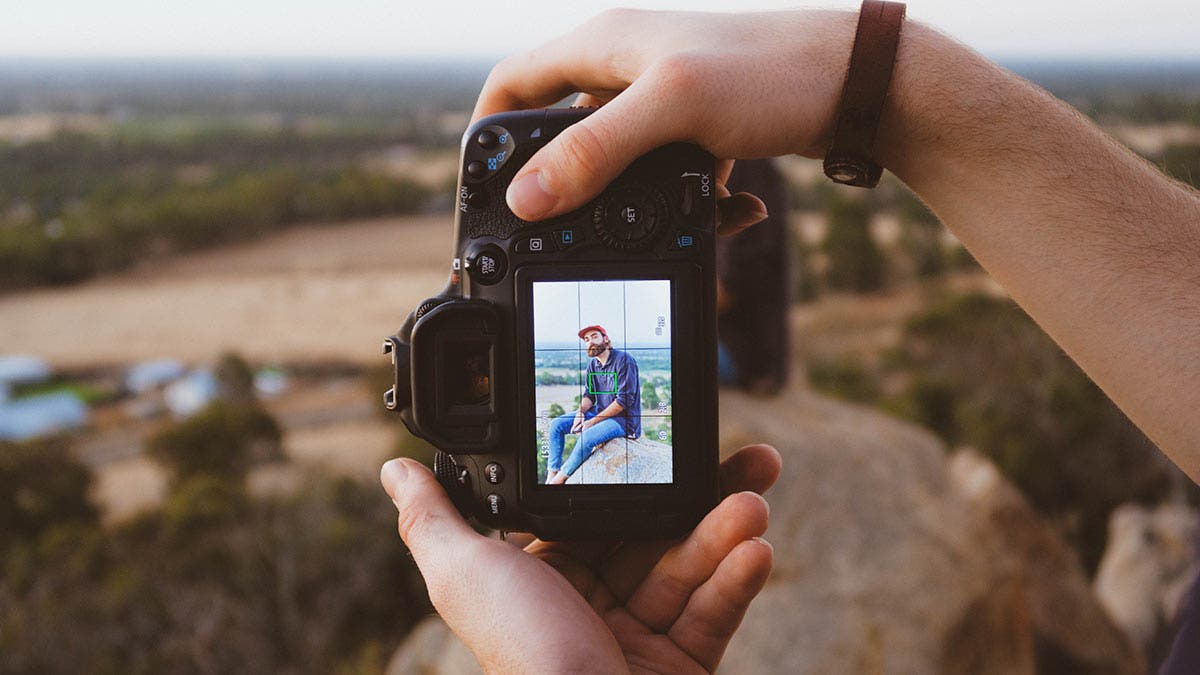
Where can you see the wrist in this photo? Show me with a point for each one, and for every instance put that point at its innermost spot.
(942, 94)
(904, 129)
(825, 53)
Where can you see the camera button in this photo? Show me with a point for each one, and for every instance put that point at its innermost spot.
(477, 169)
(494, 473)
(487, 139)
(534, 245)
(487, 265)
(683, 242)
(477, 200)
(495, 504)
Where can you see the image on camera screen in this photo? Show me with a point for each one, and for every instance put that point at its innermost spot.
(602, 381)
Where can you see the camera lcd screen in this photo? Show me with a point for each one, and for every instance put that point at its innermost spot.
(602, 381)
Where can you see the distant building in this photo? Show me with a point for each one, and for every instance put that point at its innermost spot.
(188, 395)
(153, 374)
(270, 382)
(41, 415)
(17, 369)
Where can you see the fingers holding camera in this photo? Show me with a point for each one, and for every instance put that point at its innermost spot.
(465, 571)
(754, 467)
(435, 533)
(588, 155)
(662, 596)
(602, 55)
(735, 212)
(717, 607)
(428, 522)
(586, 100)
(738, 212)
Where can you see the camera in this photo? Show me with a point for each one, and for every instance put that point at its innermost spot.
(567, 371)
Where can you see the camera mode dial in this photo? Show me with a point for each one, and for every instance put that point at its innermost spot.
(455, 480)
(630, 217)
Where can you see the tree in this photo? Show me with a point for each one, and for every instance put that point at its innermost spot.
(855, 262)
(650, 399)
(235, 380)
(922, 236)
(41, 486)
(1183, 162)
(223, 439)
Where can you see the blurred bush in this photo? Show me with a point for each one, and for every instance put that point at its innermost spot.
(855, 261)
(235, 379)
(978, 371)
(74, 206)
(985, 375)
(1182, 161)
(921, 237)
(217, 580)
(845, 378)
(224, 439)
(41, 487)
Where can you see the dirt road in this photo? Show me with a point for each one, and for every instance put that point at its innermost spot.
(308, 294)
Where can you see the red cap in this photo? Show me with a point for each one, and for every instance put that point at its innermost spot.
(589, 329)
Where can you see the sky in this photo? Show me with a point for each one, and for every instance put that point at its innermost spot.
(629, 311)
(436, 29)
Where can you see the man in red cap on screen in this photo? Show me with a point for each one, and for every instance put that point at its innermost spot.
(612, 386)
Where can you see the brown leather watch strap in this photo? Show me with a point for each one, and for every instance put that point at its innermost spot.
(850, 157)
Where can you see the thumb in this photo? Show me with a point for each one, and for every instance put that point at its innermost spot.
(512, 610)
(578, 163)
(429, 524)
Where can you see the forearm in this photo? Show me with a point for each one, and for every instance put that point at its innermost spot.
(1100, 248)
(611, 410)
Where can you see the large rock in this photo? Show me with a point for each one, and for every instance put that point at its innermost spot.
(624, 460)
(1149, 564)
(890, 556)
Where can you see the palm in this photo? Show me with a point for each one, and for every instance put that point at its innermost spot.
(592, 607)
(667, 606)
(639, 644)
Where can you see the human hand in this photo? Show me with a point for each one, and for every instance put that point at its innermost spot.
(578, 425)
(588, 424)
(599, 606)
(740, 85)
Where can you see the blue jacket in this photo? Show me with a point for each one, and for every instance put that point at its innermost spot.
(617, 381)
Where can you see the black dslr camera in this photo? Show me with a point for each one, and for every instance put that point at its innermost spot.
(567, 371)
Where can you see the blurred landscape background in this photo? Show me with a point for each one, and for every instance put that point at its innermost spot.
(198, 260)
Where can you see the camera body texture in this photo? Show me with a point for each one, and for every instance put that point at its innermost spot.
(567, 371)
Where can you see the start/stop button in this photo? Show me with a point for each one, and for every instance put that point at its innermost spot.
(487, 265)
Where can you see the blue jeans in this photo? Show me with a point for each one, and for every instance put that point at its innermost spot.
(598, 433)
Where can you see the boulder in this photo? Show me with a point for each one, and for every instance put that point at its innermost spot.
(626, 460)
(891, 555)
(1148, 566)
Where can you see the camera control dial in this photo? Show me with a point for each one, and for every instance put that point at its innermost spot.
(630, 217)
